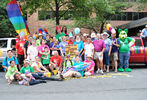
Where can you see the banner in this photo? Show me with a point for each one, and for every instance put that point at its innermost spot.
(70, 50)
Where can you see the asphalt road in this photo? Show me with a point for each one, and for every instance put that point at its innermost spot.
(121, 86)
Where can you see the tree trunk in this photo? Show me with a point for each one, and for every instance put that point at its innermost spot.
(102, 26)
(57, 12)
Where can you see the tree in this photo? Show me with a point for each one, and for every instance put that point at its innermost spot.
(56, 6)
(6, 28)
(103, 10)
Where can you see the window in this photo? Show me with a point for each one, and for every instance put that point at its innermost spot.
(3, 43)
(13, 43)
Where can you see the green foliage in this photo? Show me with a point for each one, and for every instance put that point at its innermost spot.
(6, 28)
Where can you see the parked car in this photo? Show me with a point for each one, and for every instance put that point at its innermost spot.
(138, 52)
(6, 44)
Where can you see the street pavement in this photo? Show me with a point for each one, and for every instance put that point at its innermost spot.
(118, 86)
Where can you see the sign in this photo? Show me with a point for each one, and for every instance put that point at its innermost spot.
(70, 50)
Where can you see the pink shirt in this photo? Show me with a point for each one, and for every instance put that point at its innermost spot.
(92, 64)
(41, 48)
(99, 45)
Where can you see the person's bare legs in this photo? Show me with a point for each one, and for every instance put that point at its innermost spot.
(115, 64)
(101, 66)
(98, 65)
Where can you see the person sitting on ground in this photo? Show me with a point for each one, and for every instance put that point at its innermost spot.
(46, 58)
(90, 69)
(7, 59)
(38, 67)
(56, 62)
(67, 63)
(27, 69)
(76, 54)
(77, 70)
(12, 69)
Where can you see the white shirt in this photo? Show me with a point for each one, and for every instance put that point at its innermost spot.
(33, 51)
(88, 49)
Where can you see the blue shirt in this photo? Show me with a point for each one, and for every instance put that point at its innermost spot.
(51, 44)
(80, 45)
(6, 61)
(115, 48)
(108, 43)
(62, 45)
(144, 32)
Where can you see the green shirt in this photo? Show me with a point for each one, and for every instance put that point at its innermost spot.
(45, 59)
(26, 69)
(10, 71)
(124, 45)
(59, 37)
(38, 41)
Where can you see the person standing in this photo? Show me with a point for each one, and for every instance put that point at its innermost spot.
(62, 45)
(59, 35)
(99, 48)
(107, 51)
(20, 51)
(114, 51)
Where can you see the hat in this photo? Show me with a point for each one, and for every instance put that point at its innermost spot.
(39, 34)
(93, 35)
(145, 26)
(84, 34)
(105, 33)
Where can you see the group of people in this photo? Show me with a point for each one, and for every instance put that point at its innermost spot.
(36, 57)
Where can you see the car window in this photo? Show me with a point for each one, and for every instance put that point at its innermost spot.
(3, 43)
(138, 42)
(13, 43)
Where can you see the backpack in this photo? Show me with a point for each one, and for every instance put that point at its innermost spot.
(66, 63)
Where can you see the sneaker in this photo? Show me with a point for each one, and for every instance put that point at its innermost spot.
(61, 77)
(43, 81)
(115, 71)
(101, 71)
(107, 71)
(97, 71)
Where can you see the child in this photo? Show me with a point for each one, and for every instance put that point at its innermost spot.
(67, 63)
(46, 58)
(27, 79)
(12, 69)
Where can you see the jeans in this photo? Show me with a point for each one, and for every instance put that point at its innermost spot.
(33, 82)
(106, 58)
(40, 76)
(124, 59)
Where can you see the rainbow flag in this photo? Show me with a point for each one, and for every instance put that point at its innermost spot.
(16, 17)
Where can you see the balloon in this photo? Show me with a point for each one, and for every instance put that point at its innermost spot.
(113, 31)
(34, 37)
(77, 30)
(22, 33)
(108, 26)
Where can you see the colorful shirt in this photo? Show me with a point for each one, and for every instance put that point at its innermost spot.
(6, 61)
(20, 47)
(124, 45)
(38, 42)
(37, 64)
(91, 66)
(80, 45)
(45, 59)
(108, 43)
(59, 37)
(11, 71)
(115, 48)
(99, 45)
(56, 60)
(62, 45)
(144, 32)
(28, 69)
(41, 48)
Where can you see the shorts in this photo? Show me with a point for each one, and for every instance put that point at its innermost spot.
(45, 65)
(114, 56)
(97, 56)
(57, 67)
(20, 59)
